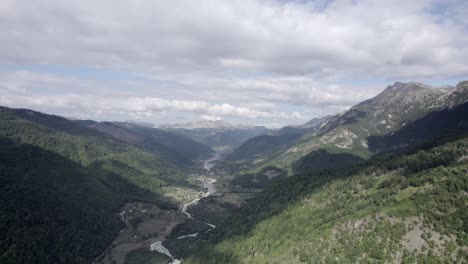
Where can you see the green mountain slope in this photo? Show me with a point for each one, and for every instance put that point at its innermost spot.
(399, 207)
(177, 148)
(52, 209)
(62, 183)
(90, 148)
(275, 141)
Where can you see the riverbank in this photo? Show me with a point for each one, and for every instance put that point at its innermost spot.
(158, 246)
(147, 226)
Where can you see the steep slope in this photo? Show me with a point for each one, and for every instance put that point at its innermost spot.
(315, 122)
(274, 141)
(177, 148)
(52, 210)
(219, 135)
(61, 184)
(397, 106)
(90, 148)
(183, 145)
(397, 208)
(435, 124)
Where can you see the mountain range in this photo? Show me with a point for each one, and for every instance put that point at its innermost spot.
(219, 135)
(350, 132)
(64, 180)
(404, 201)
(383, 182)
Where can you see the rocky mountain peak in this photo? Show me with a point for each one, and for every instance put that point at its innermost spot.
(463, 85)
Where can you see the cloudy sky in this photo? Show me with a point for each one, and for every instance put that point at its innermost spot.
(268, 62)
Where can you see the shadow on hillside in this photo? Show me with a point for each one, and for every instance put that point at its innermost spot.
(53, 209)
(277, 197)
(322, 159)
(124, 188)
(435, 129)
(448, 122)
(261, 145)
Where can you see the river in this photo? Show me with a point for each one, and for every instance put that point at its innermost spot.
(208, 184)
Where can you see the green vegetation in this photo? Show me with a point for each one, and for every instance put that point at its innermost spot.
(143, 256)
(52, 209)
(322, 159)
(61, 185)
(262, 179)
(175, 148)
(404, 207)
(262, 145)
(88, 147)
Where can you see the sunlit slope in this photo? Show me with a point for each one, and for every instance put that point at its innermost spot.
(397, 106)
(147, 169)
(398, 207)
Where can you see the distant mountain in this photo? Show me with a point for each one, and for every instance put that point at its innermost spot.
(145, 124)
(315, 122)
(394, 108)
(207, 124)
(178, 148)
(220, 135)
(274, 141)
(397, 106)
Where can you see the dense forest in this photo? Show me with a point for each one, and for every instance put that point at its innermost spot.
(398, 207)
(53, 210)
(62, 184)
(147, 169)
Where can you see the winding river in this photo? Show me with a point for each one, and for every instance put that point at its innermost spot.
(210, 189)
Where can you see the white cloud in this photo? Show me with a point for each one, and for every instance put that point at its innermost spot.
(347, 38)
(211, 118)
(267, 61)
(116, 105)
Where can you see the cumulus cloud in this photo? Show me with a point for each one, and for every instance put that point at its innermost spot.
(102, 106)
(266, 60)
(379, 38)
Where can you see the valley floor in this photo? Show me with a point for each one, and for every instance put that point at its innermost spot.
(147, 226)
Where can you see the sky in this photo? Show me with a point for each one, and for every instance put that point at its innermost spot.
(263, 62)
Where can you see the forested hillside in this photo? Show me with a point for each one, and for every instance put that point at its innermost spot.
(274, 141)
(399, 207)
(62, 184)
(90, 148)
(176, 148)
(52, 209)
